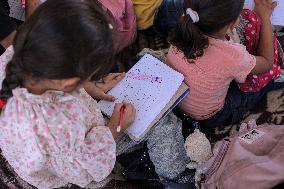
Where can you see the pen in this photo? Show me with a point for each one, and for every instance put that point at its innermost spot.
(121, 118)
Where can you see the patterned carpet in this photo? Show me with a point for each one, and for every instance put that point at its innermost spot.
(270, 110)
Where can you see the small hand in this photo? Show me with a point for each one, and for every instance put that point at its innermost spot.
(128, 117)
(110, 81)
(264, 8)
(98, 90)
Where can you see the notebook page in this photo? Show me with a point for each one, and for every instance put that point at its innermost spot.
(277, 17)
(149, 86)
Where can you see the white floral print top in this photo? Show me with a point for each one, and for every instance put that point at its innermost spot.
(55, 138)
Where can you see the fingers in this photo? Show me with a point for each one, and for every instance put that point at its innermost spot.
(114, 77)
(117, 106)
(269, 3)
(127, 118)
(129, 106)
(130, 110)
(117, 78)
(274, 5)
(111, 80)
(106, 97)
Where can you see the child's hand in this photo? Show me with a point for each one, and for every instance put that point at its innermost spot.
(264, 8)
(99, 89)
(110, 81)
(128, 117)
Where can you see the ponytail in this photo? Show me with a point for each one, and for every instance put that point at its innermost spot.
(47, 45)
(188, 38)
(190, 34)
(12, 80)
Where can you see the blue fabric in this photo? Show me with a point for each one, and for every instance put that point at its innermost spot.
(237, 104)
(168, 14)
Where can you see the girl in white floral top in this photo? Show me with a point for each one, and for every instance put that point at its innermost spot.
(51, 130)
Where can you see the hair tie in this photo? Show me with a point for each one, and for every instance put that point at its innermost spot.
(193, 15)
(110, 26)
(2, 104)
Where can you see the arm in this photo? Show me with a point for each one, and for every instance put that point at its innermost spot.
(98, 90)
(94, 91)
(31, 5)
(95, 155)
(265, 58)
(7, 42)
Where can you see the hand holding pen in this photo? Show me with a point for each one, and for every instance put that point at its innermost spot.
(122, 117)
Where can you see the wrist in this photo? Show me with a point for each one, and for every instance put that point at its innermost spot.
(265, 19)
(113, 130)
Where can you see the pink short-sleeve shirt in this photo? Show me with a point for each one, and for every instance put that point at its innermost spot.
(209, 77)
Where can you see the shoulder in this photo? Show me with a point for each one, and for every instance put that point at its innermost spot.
(175, 57)
(227, 49)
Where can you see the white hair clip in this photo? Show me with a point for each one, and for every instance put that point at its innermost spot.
(110, 26)
(193, 15)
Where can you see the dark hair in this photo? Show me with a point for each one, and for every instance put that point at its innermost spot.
(189, 37)
(62, 39)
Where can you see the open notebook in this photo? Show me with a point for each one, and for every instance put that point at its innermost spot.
(153, 88)
(277, 17)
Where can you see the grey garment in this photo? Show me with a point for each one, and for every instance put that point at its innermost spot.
(166, 147)
(240, 29)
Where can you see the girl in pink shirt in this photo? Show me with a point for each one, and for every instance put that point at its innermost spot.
(211, 62)
(51, 130)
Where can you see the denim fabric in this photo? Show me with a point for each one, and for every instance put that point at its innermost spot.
(168, 14)
(237, 104)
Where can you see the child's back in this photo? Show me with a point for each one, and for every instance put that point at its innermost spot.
(51, 132)
(202, 50)
(209, 76)
(40, 132)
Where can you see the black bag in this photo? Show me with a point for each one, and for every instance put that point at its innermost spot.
(140, 171)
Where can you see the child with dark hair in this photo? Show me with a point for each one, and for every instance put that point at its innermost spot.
(52, 131)
(47, 125)
(203, 51)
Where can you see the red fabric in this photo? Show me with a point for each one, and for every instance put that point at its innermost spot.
(2, 104)
(251, 34)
